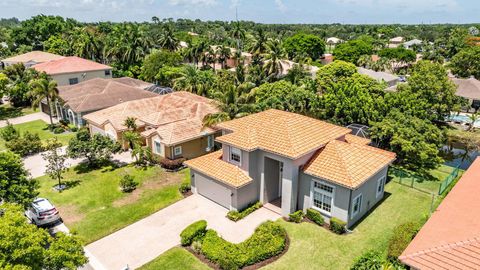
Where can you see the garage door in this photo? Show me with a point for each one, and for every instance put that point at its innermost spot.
(213, 191)
(97, 130)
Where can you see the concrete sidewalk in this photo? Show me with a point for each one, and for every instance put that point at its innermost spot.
(146, 239)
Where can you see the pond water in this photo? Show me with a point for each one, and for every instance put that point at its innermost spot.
(456, 156)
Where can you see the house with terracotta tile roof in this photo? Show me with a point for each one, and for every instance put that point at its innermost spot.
(72, 70)
(289, 162)
(450, 239)
(171, 124)
(86, 97)
(31, 58)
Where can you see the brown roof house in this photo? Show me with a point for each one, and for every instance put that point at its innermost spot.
(171, 124)
(31, 58)
(72, 70)
(288, 162)
(451, 237)
(80, 99)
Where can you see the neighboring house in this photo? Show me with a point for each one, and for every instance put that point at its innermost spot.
(469, 89)
(395, 42)
(171, 125)
(31, 58)
(380, 76)
(333, 41)
(293, 162)
(414, 42)
(77, 100)
(72, 70)
(232, 61)
(450, 239)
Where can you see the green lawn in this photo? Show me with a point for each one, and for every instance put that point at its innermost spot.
(8, 111)
(94, 206)
(313, 247)
(175, 258)
(40, 127)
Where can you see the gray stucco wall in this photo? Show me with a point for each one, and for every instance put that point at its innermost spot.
(244, 196)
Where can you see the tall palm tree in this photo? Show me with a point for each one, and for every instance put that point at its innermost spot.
(131, 123)
(223, 53)
(44, 89)
(273, 58)
(167, 39)
(193, 80)
(238, 33)
(258, 46)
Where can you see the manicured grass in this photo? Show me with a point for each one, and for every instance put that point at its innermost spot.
(40, 127)
(175, 258)
(8, 111)
(313, 247)
(94, 206)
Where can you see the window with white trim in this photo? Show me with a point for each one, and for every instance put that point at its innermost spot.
(177, 150)
(235, 155)
(322, 197)
(380, 186)
(157, 146)
(357, 205)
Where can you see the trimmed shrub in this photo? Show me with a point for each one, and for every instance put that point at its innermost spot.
(236, 216)
(25, 145)
(296, 216)
(9, 133)
(369, 260)
(184, 188)
(315, 216)
(268, 240)
(58, 130)
(197, 246)
(402, 236)
(172, 164)
(193, 232)
(128, 183)
(73, 129)
(337, 226)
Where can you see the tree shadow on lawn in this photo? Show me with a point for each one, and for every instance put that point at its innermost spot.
(104, 166)
(69, 184)
(386, 195)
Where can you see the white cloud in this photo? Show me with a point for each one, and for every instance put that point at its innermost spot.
(280, 5)
(192, 2)
(406, 5)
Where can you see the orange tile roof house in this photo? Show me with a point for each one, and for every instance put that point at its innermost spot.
(72, 70)
(294, 162)
(96, 94)
(171, 124)
(31, 58)
(451, 237)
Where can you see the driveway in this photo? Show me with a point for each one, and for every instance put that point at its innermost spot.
(36, 165)
(146, 239)
(27, 118)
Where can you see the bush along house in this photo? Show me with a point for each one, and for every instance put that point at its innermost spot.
(293, 162)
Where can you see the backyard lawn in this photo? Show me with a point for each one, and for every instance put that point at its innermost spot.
(40, 127)
(313, 247)
(94, 206)
(8, 111)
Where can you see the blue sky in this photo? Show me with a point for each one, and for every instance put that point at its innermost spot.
(267, 11)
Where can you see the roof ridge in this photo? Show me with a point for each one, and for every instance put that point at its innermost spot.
(442, 247)
(339, 153)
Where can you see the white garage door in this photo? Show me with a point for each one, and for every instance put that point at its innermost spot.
(213, 191)
(96, 130)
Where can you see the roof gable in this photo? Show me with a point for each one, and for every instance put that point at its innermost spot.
(69, 64)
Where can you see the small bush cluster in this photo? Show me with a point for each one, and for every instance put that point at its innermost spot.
(236, 215)
(268, 240)
(315, 216)
(369, 260)
(296, 216)
(172, 164)
(337, 226)
(23, 145)
(193, 232)
(128, 183)
(184, 188)
(402, 236)
(58, 130)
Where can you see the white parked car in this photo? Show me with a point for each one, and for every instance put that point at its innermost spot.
(41, 212)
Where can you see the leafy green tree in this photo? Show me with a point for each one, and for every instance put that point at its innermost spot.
(156, 60)
(15, 185)
(58, 45)
(94, 148)
(9, 133)
(25, 246)
(297, 74)
(415, 141)
(56, 161)
(304, 45)
(44, 89)
(466, 63)
(352, 50)
(3, 84)
(336, 71)
(18, 88)
(398, 57)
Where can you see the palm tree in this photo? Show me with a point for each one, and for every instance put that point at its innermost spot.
(223, 53)
(193, 80)
(273, 58)
(238, 33)
(44, 89)
(167, 39)
(131, 123)
(473, 118)
(258, 46)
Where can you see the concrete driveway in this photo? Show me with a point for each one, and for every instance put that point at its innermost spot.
(146, 239)
(28, 118)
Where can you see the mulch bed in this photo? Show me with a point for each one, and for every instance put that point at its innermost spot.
(255, 266)
(187, 194)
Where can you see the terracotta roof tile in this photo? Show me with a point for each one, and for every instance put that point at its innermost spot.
(451, 237)
(350, 138)
(34, 56)
(347, 164)
(213, 166)
(69, 64)
(284, 133)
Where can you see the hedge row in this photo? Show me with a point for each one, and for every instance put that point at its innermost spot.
(268, 240)
(193, 232)
(236, 216)
(402, 235)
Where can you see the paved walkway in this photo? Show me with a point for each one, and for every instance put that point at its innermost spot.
(36, 165)
(146, 239)
(27, 118)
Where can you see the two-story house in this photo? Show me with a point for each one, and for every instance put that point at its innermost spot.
(295, 162)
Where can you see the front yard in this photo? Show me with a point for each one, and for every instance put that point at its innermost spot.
(8, 111)
(40, 127)
(313, 247)
(94, 206)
